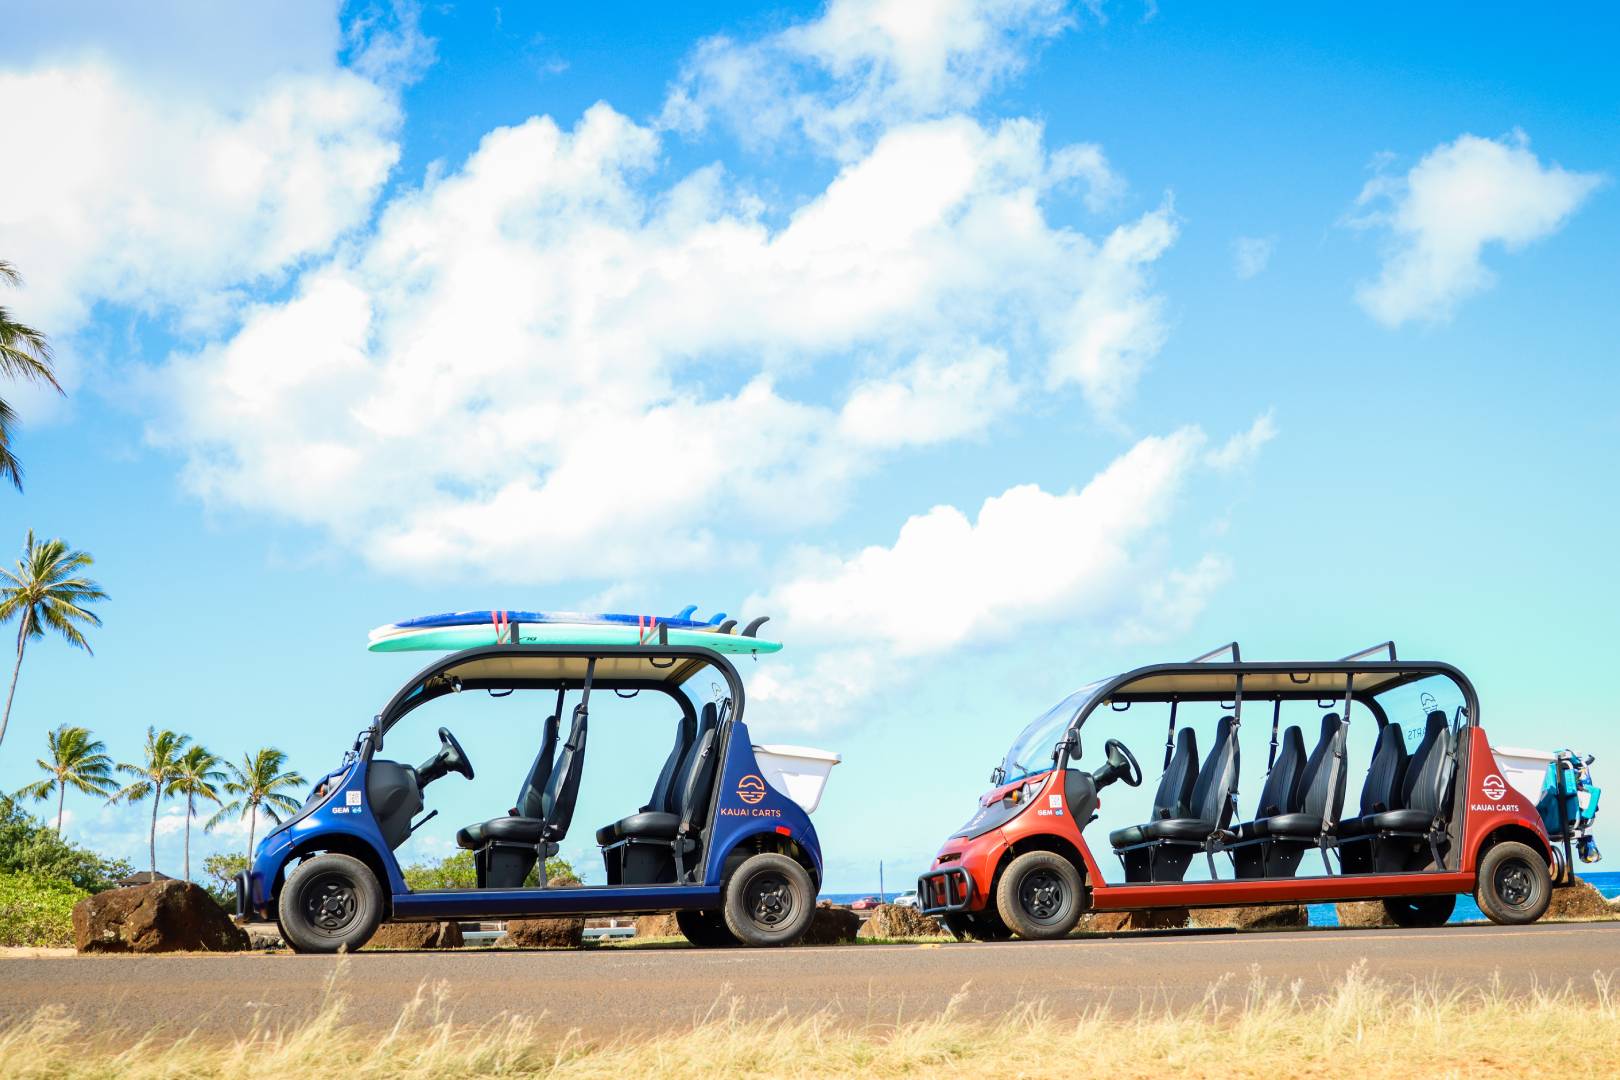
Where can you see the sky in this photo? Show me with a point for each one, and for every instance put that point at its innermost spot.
(989, 348)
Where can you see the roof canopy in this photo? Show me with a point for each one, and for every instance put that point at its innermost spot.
(548, 667)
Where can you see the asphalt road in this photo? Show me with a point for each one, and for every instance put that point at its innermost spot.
(613, 991)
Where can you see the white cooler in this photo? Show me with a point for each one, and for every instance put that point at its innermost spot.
(799, 772)
(1524, 770)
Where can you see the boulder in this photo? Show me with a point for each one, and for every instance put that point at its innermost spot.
(657, 926)
(1255, 917)
(165, 916)
(1580, 901)
(889, 921)
(832, 924)
(1109, 922)
(1363, 913)
(565, 932)
(417, 935)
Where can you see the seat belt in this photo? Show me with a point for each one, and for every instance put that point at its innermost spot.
(1276, 718)
(1170, 736)
(1338, 770)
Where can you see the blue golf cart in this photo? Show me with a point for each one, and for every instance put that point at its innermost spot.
(718, 842)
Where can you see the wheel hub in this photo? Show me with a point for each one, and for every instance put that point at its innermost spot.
(1514, 884)
(770, 900)
(330, 904)
(1042, 895)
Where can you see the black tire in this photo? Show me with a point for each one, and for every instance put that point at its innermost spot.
(1420, 911)
(705, 929)
(329, 903)
(983, 926)
(1513, 885)
(1039, 896)
(769, 900)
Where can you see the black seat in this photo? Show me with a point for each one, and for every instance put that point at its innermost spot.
(1381, 793)
(507, 848)
(662, 812)
(653, 847)
(1167, 845)
(1272, 844)
(1174, 795)
(664, 787)
(1412, 835)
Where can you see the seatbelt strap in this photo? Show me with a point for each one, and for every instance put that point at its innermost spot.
(1338, 771)
(1170, 736)
(1276, 718)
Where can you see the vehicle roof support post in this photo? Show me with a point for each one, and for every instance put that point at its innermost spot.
(1170, 736)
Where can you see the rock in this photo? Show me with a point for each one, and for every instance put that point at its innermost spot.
(263, 935)
(166, 916)
(832, 924)
(1580, 901)
(564, 932)
(888, 921)
(1363, 913)
(1255, 917)
(1109, 922)
(657, 926)
(417, 935)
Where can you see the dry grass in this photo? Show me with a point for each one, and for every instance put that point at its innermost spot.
(1359, 1028)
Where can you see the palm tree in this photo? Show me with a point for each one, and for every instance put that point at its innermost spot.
(24, 354)
(153, 776)
(46, 591)
(195, 778)
(258, 784)
(78, 761)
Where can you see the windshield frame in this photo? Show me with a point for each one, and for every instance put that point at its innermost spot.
(1040, 737)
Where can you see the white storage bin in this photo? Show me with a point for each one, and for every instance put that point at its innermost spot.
(1524, 770)
(799, 772)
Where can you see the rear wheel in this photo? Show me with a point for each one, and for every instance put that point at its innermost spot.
(1038, 896)
(330, 903)
(1416, 911)
(1513, 885)
(705, 929)
(769, 900)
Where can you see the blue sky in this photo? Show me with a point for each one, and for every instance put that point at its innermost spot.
(989, 348)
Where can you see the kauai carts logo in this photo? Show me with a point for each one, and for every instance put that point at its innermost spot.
(751, 790)
(1495, 789)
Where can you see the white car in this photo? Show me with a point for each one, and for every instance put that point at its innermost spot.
(906, 899)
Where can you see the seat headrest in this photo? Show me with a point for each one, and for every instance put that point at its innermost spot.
(1436, 720)
(709, 719)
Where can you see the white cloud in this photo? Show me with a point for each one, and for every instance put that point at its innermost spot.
(1250, 254)
(548, 364)
(860, 67)
(1092, 557)
(195, 151)
(1241, 449)
(1440, 216)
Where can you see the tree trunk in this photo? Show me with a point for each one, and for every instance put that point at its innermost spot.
(253, 819)
(22, 642)
(190, 809)
(61, 797)
(157, 794)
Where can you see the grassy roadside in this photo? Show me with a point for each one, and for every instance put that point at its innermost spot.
(1361, 1027)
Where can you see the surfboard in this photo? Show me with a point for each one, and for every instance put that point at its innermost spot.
(683, 621)
(467, 636)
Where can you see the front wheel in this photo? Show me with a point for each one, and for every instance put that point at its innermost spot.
(705, 929)
(1513, 885)
(1420, 911)
(1039, 895)
(329, 904)
(769, 900)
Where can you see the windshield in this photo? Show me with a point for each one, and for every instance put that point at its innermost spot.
(1032, 751)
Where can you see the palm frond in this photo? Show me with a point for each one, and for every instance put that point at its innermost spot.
(39, 789)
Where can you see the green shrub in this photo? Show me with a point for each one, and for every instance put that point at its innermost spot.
(37, 911)
(29, 846)
(223, 869)
(457, 872)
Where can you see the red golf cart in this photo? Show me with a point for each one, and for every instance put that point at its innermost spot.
(1429, 816)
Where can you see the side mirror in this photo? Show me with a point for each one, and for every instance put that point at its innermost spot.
(1071, 743)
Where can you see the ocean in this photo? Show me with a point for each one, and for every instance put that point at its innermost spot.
(1606, 882)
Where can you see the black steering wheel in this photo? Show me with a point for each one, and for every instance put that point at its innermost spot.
(455, 758)
(1122, 765)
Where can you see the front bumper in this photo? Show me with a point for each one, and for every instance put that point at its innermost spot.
(242, 895)
(942, 891)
